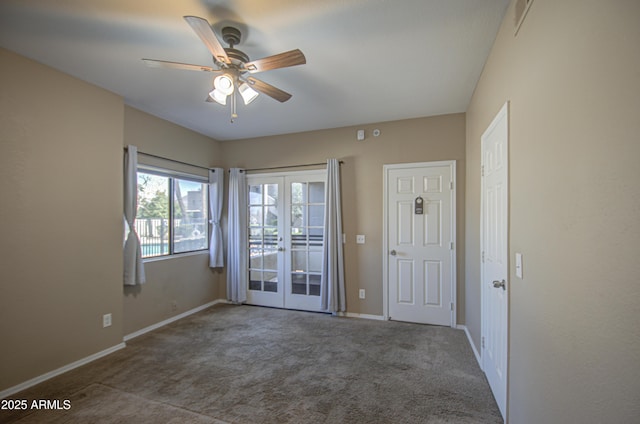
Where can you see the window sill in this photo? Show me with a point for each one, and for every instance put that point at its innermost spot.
(174, 256)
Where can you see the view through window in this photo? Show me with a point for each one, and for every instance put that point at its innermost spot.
(172, 214)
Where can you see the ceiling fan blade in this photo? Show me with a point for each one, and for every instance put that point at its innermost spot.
(152, 63)
(282, 60)
(268, 89)
(203, 30)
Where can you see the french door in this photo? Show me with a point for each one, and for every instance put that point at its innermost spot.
(285, 227)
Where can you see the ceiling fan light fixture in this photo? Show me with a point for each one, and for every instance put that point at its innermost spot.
(218, 97)
(248, 94)
(224, 84)
(232, 65)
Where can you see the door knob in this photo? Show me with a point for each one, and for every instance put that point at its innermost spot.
(280, 249)
(497, 284)
(393, 253)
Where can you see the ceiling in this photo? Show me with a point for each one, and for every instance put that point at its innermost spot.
(367, 60)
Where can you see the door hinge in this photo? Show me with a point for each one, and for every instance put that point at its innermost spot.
(483, 342)
(482, 170)
(451, 305)
(483, 256)
(451, 246)
(451, 185)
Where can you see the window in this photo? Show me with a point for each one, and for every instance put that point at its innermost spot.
(172, 213)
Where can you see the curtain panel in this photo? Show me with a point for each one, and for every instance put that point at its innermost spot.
(216, 193)
(133, 272)
(237, 237)
(332, 287)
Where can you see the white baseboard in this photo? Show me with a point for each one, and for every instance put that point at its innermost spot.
(172, 319)
(363, 316)
(37, 380)
(473, 346)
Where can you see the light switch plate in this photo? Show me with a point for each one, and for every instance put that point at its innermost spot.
(519, 265)
(360, 239)
(106, 320)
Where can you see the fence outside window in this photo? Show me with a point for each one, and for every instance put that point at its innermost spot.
(189, 235)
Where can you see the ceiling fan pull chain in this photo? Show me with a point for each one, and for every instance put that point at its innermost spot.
(234, 114)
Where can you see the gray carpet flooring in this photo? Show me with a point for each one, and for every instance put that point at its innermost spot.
(244, 364)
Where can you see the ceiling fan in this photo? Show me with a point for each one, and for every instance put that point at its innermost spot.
(234, 66)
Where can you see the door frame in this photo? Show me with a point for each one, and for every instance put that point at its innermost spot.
(503, 113)
(284, 263)
(385, 229)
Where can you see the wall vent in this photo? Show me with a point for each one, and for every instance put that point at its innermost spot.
(521, 9)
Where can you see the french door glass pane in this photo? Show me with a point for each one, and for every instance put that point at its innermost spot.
(316, 192)
(316, 215)
(270, 194)
(298, 215)
(255, 280)
(315, 261)
(270, 281)
(255, 194)
(255, 216)
(299, 283)
(314, 284)
(298, 193)
(271, 216)
(299, 261)
(255, 238)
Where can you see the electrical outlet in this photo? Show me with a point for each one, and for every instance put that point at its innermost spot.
(361, 294)
(174, 306)
(360, 239)
(106, 320)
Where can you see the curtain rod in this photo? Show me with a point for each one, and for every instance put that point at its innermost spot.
(173, 160)
(289, 166)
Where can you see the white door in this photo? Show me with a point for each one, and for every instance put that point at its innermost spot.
(420, 235)
(266, 241)
(286, 224)
(304, 235)
(495, 255)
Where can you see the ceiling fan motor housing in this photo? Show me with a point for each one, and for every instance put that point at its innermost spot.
(237, 57)
(231, 36)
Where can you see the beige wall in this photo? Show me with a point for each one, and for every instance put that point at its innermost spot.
(572, 76)
(415, 140)
(180, 283)
(60, 220)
